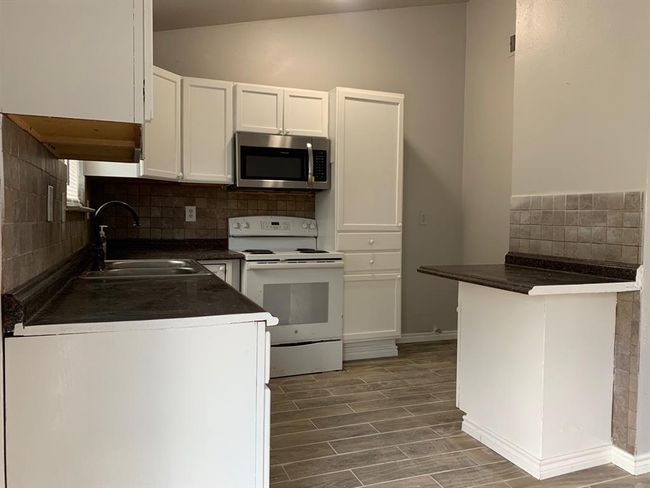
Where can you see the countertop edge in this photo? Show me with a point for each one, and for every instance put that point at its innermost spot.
(622, 286)
(133, 325)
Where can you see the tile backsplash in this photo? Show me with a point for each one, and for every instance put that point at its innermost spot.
(594, 226)
(30, 244)
(161, 207)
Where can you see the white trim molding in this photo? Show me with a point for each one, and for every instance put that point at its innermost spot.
(444, 335)
(539, 468)
(378, 348)
(636, 465)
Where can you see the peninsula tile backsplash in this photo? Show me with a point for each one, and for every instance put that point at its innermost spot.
(596, 226)
(161, 207)
(30, 244)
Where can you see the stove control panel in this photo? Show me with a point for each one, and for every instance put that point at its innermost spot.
(272, 226)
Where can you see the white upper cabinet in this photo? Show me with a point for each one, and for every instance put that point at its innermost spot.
(369, 160)
(259, 108)
(162, 136)
(275, 110)
(76, 59)
(305, 112)
(207, 131)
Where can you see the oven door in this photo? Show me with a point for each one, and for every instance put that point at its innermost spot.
(306, 297)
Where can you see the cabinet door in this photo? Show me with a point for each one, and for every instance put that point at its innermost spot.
(162, 136)
(207, 131)
(259, 108)
(73, 59)
(369, 132)
(305, 112)
(371, 306)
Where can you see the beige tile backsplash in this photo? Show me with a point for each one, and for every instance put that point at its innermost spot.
(601, 227)
(595, 226)
(161, 207)
(30, 244)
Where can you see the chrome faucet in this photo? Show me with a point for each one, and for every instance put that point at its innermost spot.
(98, 246)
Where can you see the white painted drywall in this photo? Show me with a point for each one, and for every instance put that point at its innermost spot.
(487, 147)
(580, 96)
(417, 51)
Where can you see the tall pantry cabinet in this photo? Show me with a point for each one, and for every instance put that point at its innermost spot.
(362, 215)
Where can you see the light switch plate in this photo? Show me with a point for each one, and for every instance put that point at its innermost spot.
(190, 214)
(50, 203)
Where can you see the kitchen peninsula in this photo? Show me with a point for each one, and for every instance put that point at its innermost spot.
(535, 358)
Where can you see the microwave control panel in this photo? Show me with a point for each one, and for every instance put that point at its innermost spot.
(320, 165)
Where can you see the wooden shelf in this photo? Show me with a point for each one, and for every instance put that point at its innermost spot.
(86, 140)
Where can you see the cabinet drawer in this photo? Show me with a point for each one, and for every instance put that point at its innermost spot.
(369, 241)
(373, 261)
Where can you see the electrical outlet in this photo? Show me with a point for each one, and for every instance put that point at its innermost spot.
(190, 214)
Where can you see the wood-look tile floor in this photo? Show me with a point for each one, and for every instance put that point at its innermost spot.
(392, 423)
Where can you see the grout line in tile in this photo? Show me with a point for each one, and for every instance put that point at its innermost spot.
(339, 471)
(356, 477)
(627, 475)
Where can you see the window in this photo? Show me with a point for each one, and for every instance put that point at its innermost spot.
(75, 187)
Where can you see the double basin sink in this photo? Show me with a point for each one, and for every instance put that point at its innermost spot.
(148, 268)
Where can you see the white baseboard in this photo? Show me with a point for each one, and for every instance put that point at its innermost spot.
(444, 335)
(376, 348)
(539, 468)
(636, 465)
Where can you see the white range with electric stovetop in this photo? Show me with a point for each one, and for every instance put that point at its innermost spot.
(301, 285)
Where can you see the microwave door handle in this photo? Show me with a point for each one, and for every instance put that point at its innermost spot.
(310, 161)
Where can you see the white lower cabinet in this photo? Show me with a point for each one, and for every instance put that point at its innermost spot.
(371, 306)
(179, 407)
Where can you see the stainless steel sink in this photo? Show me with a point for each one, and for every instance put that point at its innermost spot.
(148, 268)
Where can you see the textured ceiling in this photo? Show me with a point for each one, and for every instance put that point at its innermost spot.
(179, 14)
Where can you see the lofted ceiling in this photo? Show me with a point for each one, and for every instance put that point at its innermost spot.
(179, 14)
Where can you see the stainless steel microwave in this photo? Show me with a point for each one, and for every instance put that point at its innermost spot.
(274, 161)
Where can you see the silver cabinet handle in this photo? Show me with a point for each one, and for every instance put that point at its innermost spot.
(372, 261)
(371, 241)
(310, 156)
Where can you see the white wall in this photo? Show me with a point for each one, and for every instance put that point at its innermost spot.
(581, 80)
(417, 51)
(487, 147)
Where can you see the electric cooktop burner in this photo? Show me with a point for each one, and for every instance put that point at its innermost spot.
(310, 251)
(259, 251)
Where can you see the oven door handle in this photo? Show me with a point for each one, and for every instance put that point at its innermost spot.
(310, 161)
(302, 265)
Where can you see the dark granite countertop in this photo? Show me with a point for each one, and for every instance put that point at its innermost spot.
(60, 296)
(520, 274)
(199, 249)
(116, 300)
